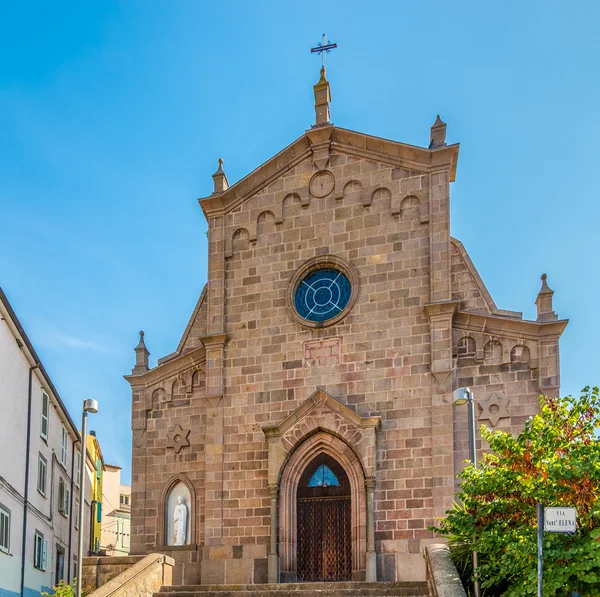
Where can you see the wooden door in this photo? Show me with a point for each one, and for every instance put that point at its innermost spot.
(324, 539)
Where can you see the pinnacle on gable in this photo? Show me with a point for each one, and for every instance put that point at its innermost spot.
(141, 357)
(437, 136)
(543, 302)
(220, 179)
(322, 98)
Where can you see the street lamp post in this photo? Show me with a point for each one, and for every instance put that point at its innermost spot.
(89, 406)
(462, 396)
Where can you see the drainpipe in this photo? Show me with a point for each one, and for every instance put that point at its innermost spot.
(69, 569)
(26, 492)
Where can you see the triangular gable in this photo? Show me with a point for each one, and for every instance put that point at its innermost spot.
(490, 305)
(317, 143)
(322, 399)
(192, 321)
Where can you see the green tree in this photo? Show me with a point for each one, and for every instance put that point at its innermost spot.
(64, 589)
(554, 461)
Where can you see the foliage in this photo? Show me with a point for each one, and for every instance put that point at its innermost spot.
(64, 589)
(554, 461)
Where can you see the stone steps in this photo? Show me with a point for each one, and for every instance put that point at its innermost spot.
(316, 589)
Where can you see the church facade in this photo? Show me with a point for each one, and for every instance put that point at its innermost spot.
(305, 420)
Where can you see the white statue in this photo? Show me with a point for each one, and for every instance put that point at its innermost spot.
(180, 522)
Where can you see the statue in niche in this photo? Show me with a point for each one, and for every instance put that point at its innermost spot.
(180, 522)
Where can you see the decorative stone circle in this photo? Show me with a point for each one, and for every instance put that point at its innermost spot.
(493, 408)
(177, 438)
(321, 184)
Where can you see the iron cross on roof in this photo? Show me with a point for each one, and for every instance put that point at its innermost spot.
(323, 48)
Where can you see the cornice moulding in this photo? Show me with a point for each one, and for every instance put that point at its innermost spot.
(346, 141)
(174, 366)
(506, 326)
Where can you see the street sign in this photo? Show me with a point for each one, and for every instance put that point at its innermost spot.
(560, 520)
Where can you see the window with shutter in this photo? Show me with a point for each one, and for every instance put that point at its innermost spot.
(63, 447)
(41, 480)
(67, 499)
(99, 511)
(4, 529)
(45, 414)
(77, 465)
(40, 554)
(44, 554)
(63, 497)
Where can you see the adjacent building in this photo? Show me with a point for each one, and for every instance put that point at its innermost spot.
(39, 460)
(96, 477)
(303, 429)
(116, 501)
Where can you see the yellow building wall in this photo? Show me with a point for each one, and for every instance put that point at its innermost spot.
(93, 448)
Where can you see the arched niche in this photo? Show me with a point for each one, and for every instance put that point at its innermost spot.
(178, 486)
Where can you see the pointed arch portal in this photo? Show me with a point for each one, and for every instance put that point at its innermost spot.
(341, 529)
(322, 432)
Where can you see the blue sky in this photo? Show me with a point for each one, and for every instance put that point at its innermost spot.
(113, 115)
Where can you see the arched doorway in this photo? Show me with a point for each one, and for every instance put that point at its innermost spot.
(305, 457)
(324, 522)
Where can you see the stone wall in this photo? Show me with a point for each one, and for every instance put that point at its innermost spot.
(141, 578)
(442, 576)
(97, 571)
(380, 366)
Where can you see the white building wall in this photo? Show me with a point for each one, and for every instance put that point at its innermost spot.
(43, 515)
(14, 371)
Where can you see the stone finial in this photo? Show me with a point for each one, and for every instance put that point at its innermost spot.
(544, 302)
(220, 179)
(322, 99)
(141, 357)
(437, 136)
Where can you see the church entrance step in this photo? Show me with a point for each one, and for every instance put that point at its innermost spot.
(316, 589)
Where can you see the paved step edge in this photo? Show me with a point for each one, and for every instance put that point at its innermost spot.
(295, 586)
(404, 592)
(328, 592)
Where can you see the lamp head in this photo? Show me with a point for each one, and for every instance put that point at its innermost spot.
(90, 406)
(461, 396)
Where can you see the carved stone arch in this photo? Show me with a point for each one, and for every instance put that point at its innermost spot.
(265, 219)
(198, 379)
(352, 191)
(291, 205)
(158, 395)
(318, 443)
(179, 387)
(321, 411)
(379, 194)
(161, 526)
(422, 197)
(520, 354)
(307, 437)
(466, 347)
(410, 208)
(238, 241)
(493, 352)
